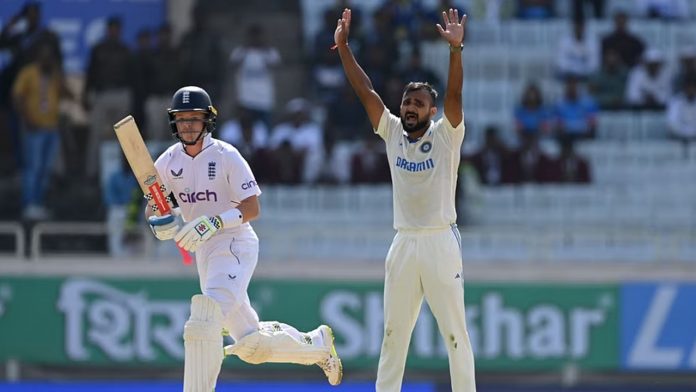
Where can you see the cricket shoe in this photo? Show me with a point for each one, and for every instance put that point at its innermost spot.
(331, 366)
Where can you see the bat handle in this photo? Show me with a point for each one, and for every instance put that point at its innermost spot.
(185, 256)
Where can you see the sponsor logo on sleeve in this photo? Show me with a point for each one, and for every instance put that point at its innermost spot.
(248, 185)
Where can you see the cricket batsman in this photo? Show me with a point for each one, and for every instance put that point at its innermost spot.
(218, 196)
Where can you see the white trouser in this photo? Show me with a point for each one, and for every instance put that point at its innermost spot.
(424, 262)
(225, 264)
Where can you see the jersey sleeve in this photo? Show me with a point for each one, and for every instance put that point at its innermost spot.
(240, 177)
(389, 126)
(454, 136)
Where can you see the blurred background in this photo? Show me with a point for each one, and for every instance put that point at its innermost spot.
(576, 194)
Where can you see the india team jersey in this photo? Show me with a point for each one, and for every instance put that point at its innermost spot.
(424, 172)
(212, 182)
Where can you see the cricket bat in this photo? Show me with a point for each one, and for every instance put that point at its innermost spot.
(143, 167)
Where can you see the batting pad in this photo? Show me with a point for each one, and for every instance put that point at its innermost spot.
(203, 352)
(276, 346)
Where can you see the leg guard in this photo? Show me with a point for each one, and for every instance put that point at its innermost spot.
(272, 344)
(203, 353)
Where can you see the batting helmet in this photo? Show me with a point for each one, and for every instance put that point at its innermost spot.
(192, 99)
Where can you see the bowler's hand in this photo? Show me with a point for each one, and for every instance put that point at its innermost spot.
(342, 28)
(452, 30)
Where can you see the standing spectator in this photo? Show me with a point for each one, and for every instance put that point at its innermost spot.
(202, 58)
(628, 45)
(572, 167)
(327, 74)
(576, 113)
(119, 194)
(531, 115)
(167, 78)
(414, 70)
(687, 66)
(578, 53)
(36, 95)
(649, 85)
(108, 90)
(579, 7)
(681, 113)
(20, 37)
(494, 161)
(304, 136)
(345, 122)
(254, 62)
(535, 9)
(608, 85)
(250, 137)
(144, 72)
(664, 9)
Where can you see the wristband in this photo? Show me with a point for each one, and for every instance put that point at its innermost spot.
(231, 218)
(457, 48)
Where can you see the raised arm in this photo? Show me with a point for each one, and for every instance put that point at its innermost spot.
(452, 31)
(356, 76)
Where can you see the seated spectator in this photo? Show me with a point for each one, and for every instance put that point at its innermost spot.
(250, 137)
(571, 167)
(608, 86)
(681, 113)
(629, 46)
(663, 9)
(304, 137)
(531, 115)
(535, 9)
(369, 164)
(687, 66)
(578, 53)
(576, 113)
(531, 163)
(649, 85)
(494, 162)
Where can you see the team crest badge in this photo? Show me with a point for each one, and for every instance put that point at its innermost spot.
(426, 147)
(211, 170)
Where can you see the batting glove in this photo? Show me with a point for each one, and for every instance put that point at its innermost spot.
(196, 232)
(165, 227)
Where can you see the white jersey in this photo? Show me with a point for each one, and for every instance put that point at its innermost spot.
(424, 172)
(212, 182)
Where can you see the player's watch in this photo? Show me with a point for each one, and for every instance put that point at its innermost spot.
(458, 48)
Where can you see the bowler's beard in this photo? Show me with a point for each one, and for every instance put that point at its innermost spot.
(418, 126)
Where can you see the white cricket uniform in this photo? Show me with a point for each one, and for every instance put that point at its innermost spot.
(425, 256)
(211, 183)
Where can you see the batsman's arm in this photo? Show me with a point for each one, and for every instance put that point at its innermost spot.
(247, 210)
(361, 83)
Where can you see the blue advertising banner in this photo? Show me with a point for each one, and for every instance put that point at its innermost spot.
(81, 23)
(658, 326)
